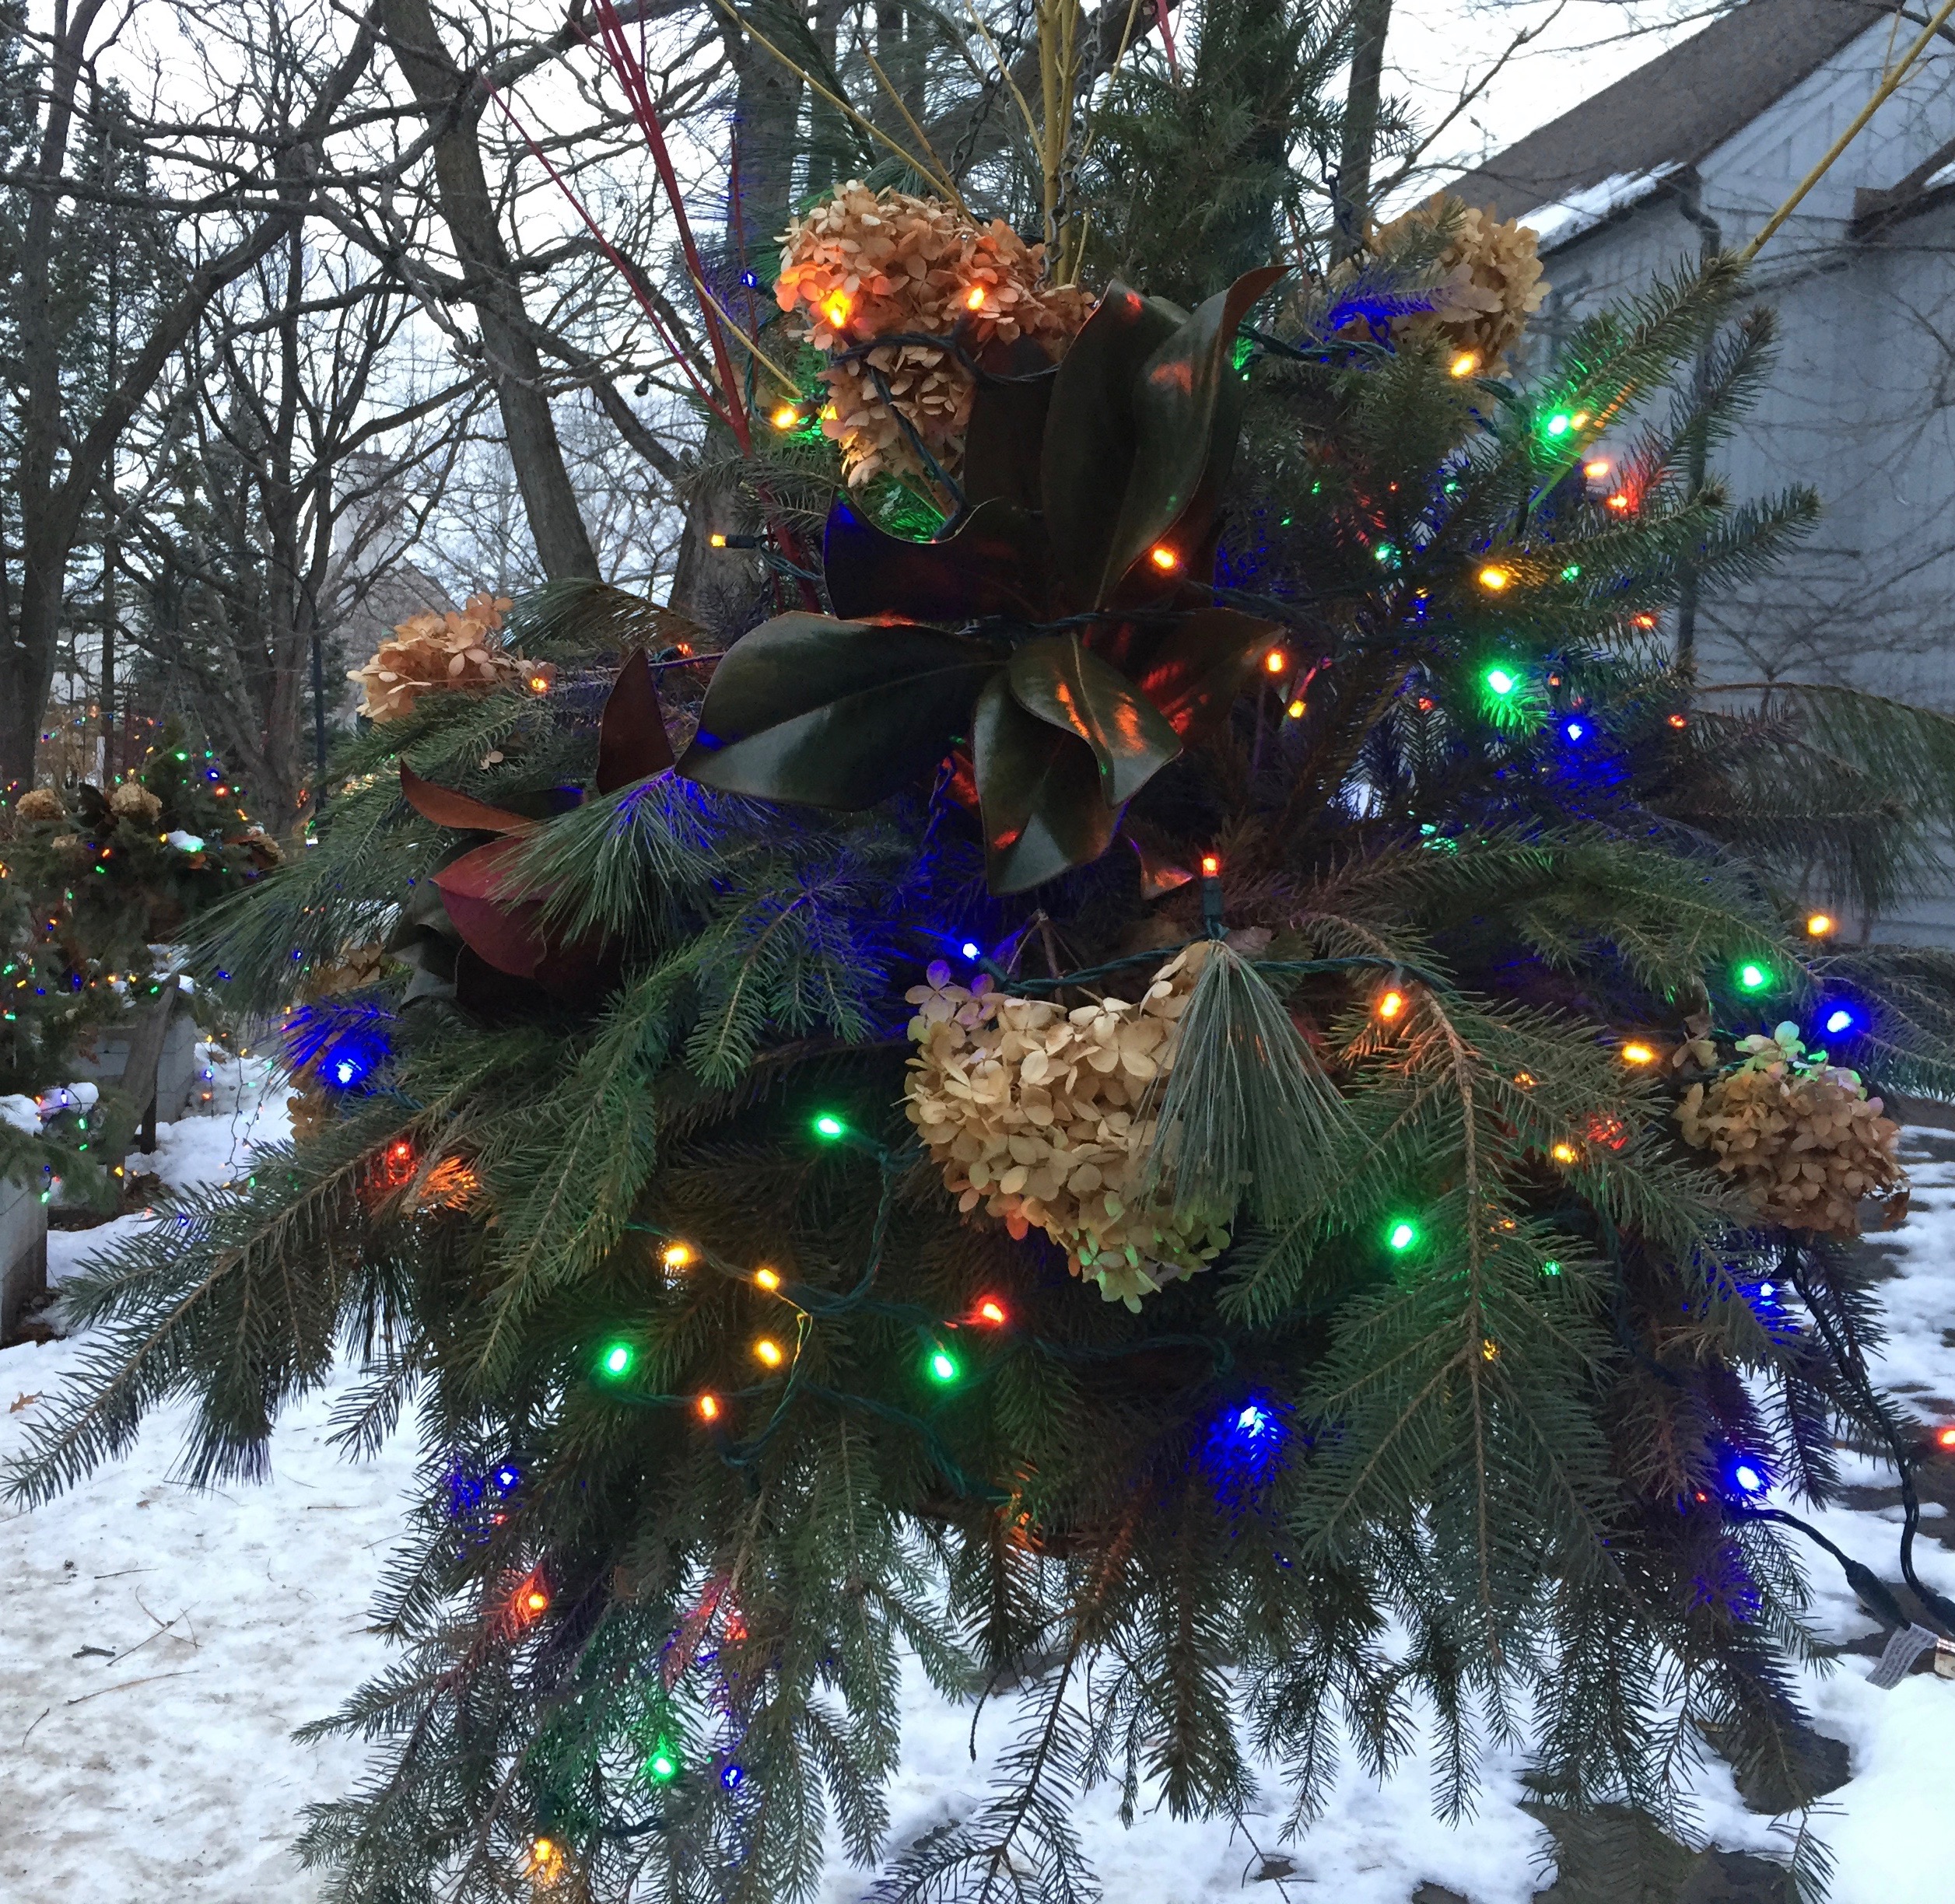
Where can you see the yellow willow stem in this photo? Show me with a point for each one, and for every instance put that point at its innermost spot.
(1882, 93)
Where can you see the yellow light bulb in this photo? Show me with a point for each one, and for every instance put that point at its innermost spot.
(716, 539)
(1565, 1153)
(767, 1279)
(1495, 577)
(676, 1256)
(1465, 364)
(1297, 710)
(1638, 1053)
(836, 311)
(1818, 925)
(786, 416)
(768, 1351)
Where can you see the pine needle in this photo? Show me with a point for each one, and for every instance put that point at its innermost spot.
(1246, 1109)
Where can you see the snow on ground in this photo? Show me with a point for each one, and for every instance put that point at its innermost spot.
(158, 1646)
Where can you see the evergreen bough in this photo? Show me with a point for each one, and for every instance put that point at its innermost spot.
(1453, 1420)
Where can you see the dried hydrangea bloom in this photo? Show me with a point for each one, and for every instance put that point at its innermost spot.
(1801, 1137)
(1038, 1114)
(460, 652)
(866, 265)
(1489, 281)
(41, 803)
(132, 800)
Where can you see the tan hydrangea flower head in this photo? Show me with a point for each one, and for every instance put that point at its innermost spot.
(1038, 1114)
(132, 800)
(460, 652)
(1489, 281)
(864, 264)
(1800, 1136)
(41, 803)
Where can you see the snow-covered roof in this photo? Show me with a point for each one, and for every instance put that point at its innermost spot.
(1561, 219)
(1674, 110)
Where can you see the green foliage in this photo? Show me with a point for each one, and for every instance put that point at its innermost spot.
(1444, 1428)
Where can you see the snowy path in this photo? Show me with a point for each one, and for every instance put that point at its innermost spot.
(167, 1772)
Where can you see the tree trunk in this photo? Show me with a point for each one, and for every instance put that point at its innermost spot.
(51, 511)
(1371, 21)
(450, 101)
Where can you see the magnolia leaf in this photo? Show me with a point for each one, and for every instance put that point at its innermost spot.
(1038, 794)
(479, 892)
(461, 811)
(633, 743)
(994, 565)
(832, 713)
(1188, 405)
(1058, 680)
(1006, 433)
(1193, 671)
(1091, 433)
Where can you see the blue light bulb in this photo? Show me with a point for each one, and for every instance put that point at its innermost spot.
(969, 948)
(1574, 730)
(1748, 1477)
(1840, 1020)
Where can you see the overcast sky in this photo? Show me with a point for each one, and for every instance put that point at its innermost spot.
(1437, 48)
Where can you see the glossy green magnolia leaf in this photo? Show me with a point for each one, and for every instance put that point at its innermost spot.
(1038, 794)
(1004, 443)
(1091, 433)
(995, 564)
(1059, 681)
(833, 713)
(1192, 670)
(1188, 405)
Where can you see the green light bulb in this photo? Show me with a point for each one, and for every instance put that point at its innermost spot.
(1560, 423)
(1752, 977)
(1550, 1268)
(828, 1125)
(617, 1360)
(1501, 682)
(943, 1365)
(663, 1766)
(1402, 1235)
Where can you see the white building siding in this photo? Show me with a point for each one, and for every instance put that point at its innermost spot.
(1861, 402)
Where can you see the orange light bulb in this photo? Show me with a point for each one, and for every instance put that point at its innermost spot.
(990, 1309)
(1678, 720)
(1618, 501)
(1276, 661)
(1945, 1438)
(1211, 865)
(1391, 1005)
(974, 298)
(1596, 469)
(708, 1407)
(1164, 557)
